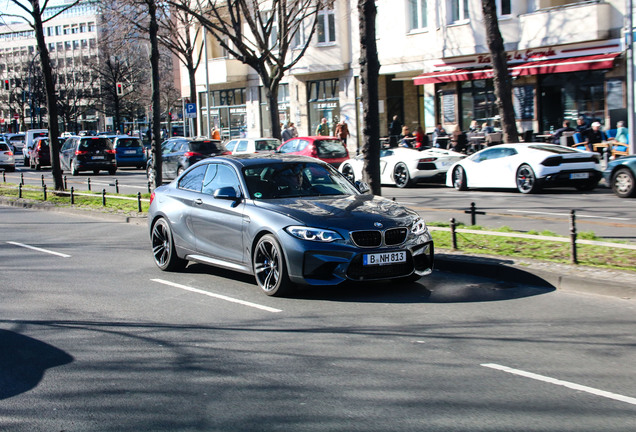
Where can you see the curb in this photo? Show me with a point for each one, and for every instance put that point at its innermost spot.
(564, 277)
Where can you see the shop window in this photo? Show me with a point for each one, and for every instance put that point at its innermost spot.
(417, 14)
(504, 7)
(458, 11)
(326, 27)
(324, 102)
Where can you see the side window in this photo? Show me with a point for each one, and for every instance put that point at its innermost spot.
(289, 147)
(242, 146)
(230, 146)
(302, 145)
(193, 180)
(218, 176)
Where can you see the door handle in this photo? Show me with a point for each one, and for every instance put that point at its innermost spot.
(198, 201)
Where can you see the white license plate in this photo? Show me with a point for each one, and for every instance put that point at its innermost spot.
(97, 157)
(579, 175)
(384, 258)
(130, 151)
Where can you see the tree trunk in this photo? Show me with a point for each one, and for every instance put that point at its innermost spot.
(156, 96)
(193, 94)
(272, 101)
(51, 100)
(369, 70)
(501, 78)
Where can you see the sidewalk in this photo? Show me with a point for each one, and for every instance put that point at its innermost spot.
(567, 277)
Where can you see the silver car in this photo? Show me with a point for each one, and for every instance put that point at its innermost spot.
(7, 158)
(287, 220)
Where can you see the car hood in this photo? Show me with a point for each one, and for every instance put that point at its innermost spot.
(350, 212)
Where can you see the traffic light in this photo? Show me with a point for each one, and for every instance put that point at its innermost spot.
(6, 84)
(120, 89)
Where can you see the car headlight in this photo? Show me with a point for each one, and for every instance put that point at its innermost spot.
(419, 227)
(313, 234)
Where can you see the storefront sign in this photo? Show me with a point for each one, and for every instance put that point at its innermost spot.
(239, 110)
(326, 105)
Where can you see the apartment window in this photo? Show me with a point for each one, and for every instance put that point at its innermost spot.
(60, 46)
(82, 28)
(326, 26)
(67, 45)
(58, 30)
(66, 30)
(417, 14)
(459, 10)
(76, 44)
(91, 26)
(504, 7)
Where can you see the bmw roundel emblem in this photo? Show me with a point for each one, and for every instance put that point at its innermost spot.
(377, 224)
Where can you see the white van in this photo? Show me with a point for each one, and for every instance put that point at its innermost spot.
(29, 138)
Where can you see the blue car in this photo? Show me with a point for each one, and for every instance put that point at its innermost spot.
(620, 175)
(130, 151)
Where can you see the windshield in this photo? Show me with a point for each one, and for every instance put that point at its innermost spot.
(128, 143)
(95, 144)
(330, 148)
(267, 145)
(295, 179)
(553, 148)
(205, 147)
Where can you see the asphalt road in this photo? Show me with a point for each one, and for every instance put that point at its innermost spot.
(598, 211)
(95, 338)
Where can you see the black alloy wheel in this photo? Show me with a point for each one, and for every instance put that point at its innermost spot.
(459, 178)
(401, 175)
(163, 250)
(269, 267)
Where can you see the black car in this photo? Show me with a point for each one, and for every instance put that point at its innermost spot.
(286, 220)
(178, 154)
(88, 153)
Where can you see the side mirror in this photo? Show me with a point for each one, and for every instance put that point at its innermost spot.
(363, 187)
(227, 193)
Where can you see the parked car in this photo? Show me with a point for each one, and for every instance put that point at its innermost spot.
(327, 149)
(88, 153)
(620, 175)
(528, 167)
(307, 224)
(129, 151)
(40, 154)
(16, 140)
(178, 154)
(405, 167)
(29, 139)
(252, 145)
(7, 159)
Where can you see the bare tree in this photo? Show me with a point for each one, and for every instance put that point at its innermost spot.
(369, 71)
(36, 13)
(501, 77)
(270, 37)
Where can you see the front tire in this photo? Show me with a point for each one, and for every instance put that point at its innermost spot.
(270, 269)
(459, 179)
(526, 180)
(624, 183)
(401, 175)
(163, 250)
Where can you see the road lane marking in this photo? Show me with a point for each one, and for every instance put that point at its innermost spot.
(574, 386)
(218, 296)
(39, 249)
(578, 215)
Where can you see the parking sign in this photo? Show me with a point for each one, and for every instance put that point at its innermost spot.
(191, 110)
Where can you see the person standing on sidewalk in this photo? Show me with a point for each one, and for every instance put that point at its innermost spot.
(342, 132)
(323, 128)
(395, 129)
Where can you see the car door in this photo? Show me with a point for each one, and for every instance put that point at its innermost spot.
(218, 223)
(66, 153)
(492, 168)
(170, 158)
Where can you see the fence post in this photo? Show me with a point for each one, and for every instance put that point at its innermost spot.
(4, 177)
(72, 195)
(20, 190)
(116, 186)
(453, 226)
(149, 191)
(22, 179)
(139, 201)
(104, 197)
(88, 180)
(573, 236)
(473, 213)
(44, 191)
(65, 184)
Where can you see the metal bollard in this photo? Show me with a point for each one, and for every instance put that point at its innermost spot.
(65, 184)
(4, 177)
(72, 195)
(42, 179)
(473, 213)
(104, 197)
(116, 186)
(44, 191)
(89, 183)
(22, 179)
(453, 227)
(20, 190)
(139, 201)
(573, 237)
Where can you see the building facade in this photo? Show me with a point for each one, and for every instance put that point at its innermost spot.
(72, 40)
(566, 59)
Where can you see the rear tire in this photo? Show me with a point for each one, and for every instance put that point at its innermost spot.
(163, 249)
(526, 180)
(624, 183)
(401, 175)
(270, 269)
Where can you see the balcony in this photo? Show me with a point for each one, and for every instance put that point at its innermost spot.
(223, 70)
(578, 22)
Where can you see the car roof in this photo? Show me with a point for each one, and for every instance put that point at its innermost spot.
(251, 159)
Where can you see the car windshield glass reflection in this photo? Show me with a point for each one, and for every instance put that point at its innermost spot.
(295, 179)
(205, 147)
